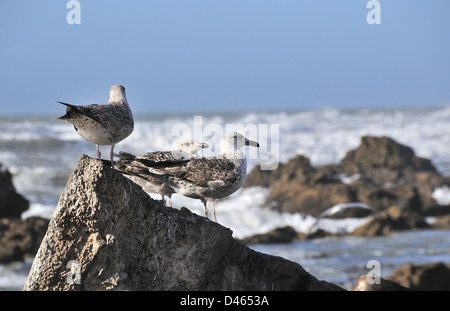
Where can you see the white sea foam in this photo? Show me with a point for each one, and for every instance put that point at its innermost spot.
(42, 152)
(41, 210)
(246, 214)
(442, 195)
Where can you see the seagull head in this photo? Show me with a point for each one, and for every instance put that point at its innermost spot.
(189, 146)
(117, 94)
(235, 141)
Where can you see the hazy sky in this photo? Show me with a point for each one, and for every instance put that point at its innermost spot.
(224, 55)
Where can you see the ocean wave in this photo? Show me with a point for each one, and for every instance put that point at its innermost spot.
(246, 214)
(14, 275)
(442, 195)
(41, 152)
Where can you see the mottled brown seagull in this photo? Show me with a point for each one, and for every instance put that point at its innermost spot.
(103, 124)
(135, 167)
(209, 178)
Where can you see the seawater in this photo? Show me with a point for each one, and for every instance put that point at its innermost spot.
(341, 260)
(41, 152)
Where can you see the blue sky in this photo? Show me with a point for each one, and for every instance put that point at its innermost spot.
(224, 55)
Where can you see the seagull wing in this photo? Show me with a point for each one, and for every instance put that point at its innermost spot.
(87, 111)
(198, 171)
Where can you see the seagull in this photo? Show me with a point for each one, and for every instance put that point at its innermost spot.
(136, 170)
(209, 178)
(104, 124)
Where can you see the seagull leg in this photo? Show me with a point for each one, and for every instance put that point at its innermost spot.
(163, 199)
(169, 201)
(99, 154)
(111, 155)
(213, 210)
(205, 208)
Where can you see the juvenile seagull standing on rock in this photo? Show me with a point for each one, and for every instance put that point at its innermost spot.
(105, 124)
(208, 179)
(135, 168)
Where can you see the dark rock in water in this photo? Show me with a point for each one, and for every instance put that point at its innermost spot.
(299, 187)
(319, 234)
(278, 235)
(298, 168)
(429, 277)
(406, 198)
(310, 199)
(20, 237)
(380, 173)
(108, 234)
(384, 153)
(12, 204)
(442, 223)
(378, 226)
(382, 285)
(386, 222)
(397, 176)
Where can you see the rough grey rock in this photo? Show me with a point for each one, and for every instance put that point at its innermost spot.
(108, 234)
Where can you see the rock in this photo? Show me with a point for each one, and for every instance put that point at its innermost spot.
(383, 153)
(429, 277)
(441, 223)
(20, 237)
(12, 204)
(380, 173)
(298, 168)
(301, 188)
(310, 199)
(386, 222)
(278, 235)
(378, 226)
(384, 285)
(262, 178)
(108, 234)
(396, 175)
(319, 234)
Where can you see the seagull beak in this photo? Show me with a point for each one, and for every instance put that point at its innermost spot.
(249, 142)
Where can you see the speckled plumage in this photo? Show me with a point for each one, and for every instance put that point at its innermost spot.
(208, 179)
(104, 124)
(136, 168)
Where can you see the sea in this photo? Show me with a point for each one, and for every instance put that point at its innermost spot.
(42, 151)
